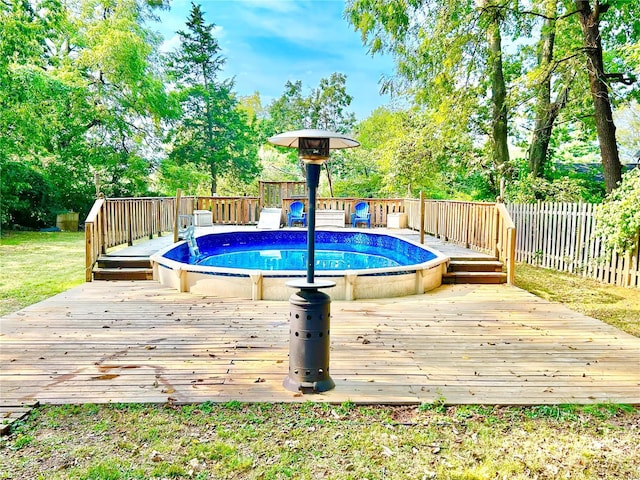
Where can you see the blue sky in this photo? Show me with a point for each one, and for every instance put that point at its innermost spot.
(267, 42)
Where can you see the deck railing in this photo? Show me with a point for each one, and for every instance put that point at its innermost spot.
(484, 227)
(231, 210)
(119, 221)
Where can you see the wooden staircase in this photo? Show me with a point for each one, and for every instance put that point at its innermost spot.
(114, 267)
(474, 270)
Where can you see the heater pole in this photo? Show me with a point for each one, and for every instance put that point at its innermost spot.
(313, 179)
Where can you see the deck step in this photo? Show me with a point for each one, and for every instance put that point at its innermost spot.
(477, 269)
(10, 414)
(123, 274)
(115, 261)
(472, 257)
(474, 277)
(475, 266)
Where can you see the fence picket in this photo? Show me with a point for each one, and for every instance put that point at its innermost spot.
(561, 236)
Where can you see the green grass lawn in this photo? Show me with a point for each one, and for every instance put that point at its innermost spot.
(614, 305)
(37, 265)
(305, 441)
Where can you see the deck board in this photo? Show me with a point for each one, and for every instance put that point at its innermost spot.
(141, 342)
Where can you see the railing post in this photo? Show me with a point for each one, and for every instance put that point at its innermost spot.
(159, 217)
(129, 223)
(421, 217)
(511, 266)
(88, 252)
(93, 239)
(150, 218)
(495, 233)
(102, 229)
(176, 219)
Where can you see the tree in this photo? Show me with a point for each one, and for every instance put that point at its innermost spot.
(546, 112)
(212, 130)
(78, 95)
(561, 56)
(590, 23)
(493, 15)
(115, 54)
(325, 108)
(449, 57)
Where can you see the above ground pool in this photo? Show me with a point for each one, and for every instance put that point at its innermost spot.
(257, 264)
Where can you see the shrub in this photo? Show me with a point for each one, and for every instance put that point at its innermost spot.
(618, 218)
(25, 196)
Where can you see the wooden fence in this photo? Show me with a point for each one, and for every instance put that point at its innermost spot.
(561, 236)
(231, 210)
(273, 193)
(480, 226)
(551, 235)
(119, 221)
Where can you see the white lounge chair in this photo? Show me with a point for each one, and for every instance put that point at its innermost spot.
(270, 218)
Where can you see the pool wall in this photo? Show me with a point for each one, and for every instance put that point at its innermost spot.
(271, 285)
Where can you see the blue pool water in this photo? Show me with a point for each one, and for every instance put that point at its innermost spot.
(287, 250)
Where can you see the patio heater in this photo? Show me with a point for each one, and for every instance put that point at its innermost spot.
(309, 311)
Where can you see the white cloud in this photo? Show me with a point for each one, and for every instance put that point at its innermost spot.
(267, 42)
(278, 6)
(170, 44)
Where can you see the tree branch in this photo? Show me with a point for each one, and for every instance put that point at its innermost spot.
(546, 17)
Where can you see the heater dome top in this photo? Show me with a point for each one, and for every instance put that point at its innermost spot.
(292, 139)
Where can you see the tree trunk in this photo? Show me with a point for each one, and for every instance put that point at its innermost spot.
(209, 133)
(326, 166)
(214, 181)
(498, 94)
(544, 121)
(590, 23)
(541, 137)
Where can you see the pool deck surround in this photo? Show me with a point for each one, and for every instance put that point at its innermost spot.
(136, 341)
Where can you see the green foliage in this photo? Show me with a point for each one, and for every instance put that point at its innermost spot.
(444, 64)
(78, 96)
(530, 189)
(23, 441)
(25, 195)
(213, 133)
(405, 152)
(618, 218)
(326, 108)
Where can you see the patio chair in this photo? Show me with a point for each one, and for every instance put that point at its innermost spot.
(361, 214)
(296, 214)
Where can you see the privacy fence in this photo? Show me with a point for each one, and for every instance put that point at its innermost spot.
(561, 236)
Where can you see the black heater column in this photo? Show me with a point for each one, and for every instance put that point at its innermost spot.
(309, 314)
(309, 308)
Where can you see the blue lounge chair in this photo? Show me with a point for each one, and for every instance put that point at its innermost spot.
(296, 214)
(361, 214)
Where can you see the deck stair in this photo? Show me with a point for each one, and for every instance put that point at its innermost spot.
(114, 267)
(477, 270)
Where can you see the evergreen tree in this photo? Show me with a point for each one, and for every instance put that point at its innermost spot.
(212, 131)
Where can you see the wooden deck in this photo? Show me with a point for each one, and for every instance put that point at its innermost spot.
(461, 344)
